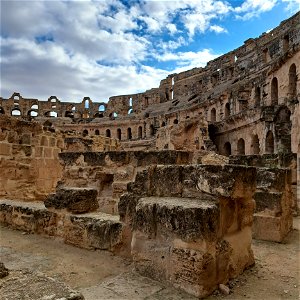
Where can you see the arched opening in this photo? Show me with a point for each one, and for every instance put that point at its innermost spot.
(175, 121)
(119, 134)
(274, 91)
(227, 149)
(16, 112)
(241, 147)
(129, 134)
(213, 115)
(107, 133)
(140, 132)
(97, 132)
(86, 104)
(257, 96)
(85, 132)
(269, 142)
(130, 111)
(130, 101)
(53, 114)
(16, 97)
(227, 110)
(33, 113)
(69, 114)
(163, 124)
(98, 115)
(292, 81)
(34, 106)
(73, 108)
(255, 145)
(53, 99)
(113, 115)
(101, 107)
(152, 131)
(2, 112)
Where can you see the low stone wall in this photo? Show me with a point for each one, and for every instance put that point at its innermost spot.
(110, 172)
(191, 225)
(89, 231)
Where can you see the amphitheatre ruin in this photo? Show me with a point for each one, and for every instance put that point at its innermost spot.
(178, 180)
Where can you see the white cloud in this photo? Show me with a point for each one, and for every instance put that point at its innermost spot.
(217, 29)
(253, 8)
(292, 5)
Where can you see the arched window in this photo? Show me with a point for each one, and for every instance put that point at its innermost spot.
(130, 102)
(53, 114)
(34, 106)
(257, 96)
(227, 149)
(255, 145)
(130, 111)
(241, 147)
(129, 134)
(107, 133)
(97, 132)
(101, 107)
(163, 124)
(175, 121)
(213, 115)
(227, 110)
(269, 142)
(33, 113)
(2, 112)
(119, 134)
(86, 104)
(69, 114)
(140, 132)
(292, 81)
(85, 132)
(16, 112)
(274, 91)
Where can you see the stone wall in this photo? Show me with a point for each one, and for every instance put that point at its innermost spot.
(29, 163)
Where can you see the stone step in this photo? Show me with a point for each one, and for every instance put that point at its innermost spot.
(95, 230)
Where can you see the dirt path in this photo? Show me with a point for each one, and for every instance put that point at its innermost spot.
(95, 273)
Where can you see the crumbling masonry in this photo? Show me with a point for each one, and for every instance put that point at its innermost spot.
(178, 178)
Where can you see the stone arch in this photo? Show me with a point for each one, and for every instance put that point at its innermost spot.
(293, 81)
(119, 133)
(107, 133)
(129, 133)
(101, 108)
(98, 115)
(163, 124)
(113, 115)
(241, 146)
(255, 149)
(32, 113)
(175, 121)
(227, 149)
(2, 112)
(97, 132)
(274, 91)
(130, 111)
(85, 132)
(16, 112)
(69, 114)
(140, 132)
(269, 145)
(213, 115)
(227, 109)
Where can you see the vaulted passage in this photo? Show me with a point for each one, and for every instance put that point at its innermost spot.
(227, 149)
(255, 145)
(292, 81)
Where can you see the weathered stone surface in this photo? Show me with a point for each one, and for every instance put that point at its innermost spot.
(76, 200)
(38, 286)
(3, 270)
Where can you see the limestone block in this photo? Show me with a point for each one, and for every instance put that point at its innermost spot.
(5, 149)
(76, 200)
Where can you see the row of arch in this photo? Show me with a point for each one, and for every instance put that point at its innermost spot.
(255, 145)
(292, 93)
(120, 134)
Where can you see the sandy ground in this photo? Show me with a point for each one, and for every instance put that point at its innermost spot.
(101, 275)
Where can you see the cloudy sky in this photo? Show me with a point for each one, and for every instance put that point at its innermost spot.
(102, 48)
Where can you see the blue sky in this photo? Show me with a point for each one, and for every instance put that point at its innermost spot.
(74, 49)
